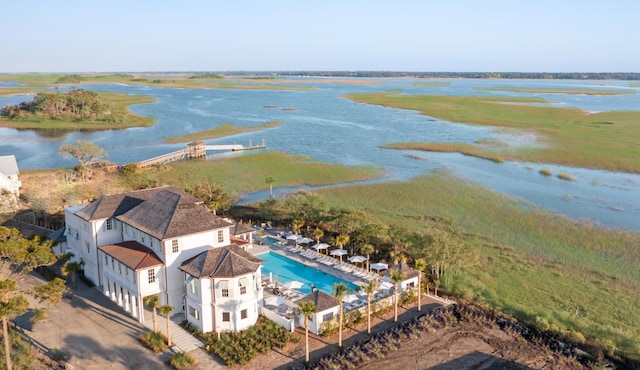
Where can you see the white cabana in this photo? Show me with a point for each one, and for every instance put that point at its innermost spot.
(305, 240)
(350, 298)
(320, 246)
(357, 259)
(379, 266)
(339, 253)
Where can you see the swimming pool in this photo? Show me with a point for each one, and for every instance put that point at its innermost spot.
(287, 270)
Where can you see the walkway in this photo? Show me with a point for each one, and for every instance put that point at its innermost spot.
(182, 339)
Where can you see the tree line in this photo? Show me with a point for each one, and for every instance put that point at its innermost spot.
(76, 104)
(627, 76)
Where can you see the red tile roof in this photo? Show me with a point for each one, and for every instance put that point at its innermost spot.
(132, 254)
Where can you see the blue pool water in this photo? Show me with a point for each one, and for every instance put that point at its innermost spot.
(287, 270)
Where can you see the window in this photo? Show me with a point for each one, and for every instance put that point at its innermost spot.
(223, 285)
(242, 283)
(88, 247)
(119, 268)
(106, 260)
(175, 248)
(113, 266)
(152, 276)
(192, 286)
(327, 316)
(143, 237)
(243, 314)
(226, 316)
(109, 224)
(220, 236)
(194, 313)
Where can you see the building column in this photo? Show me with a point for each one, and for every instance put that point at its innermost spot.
(119, 295)
(113, 291)
(134, 308)
(127, 298)
(105, 287)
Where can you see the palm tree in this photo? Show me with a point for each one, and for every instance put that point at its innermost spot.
(339, 290)
(306, 309)
(420, 265)
(71, 268)
(341, 240)
(369, 290)
(270, 181)
(153, 301)
(367, 249)
(317, 234)
(166, 310)
(397, 276)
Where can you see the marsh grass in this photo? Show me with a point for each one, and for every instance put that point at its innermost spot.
(570, 136)
(432, 84)
(560, 91)
(464, 149)
(531, 263)
(545, 172)
(566, 176)
(226, 129)
(247, 173)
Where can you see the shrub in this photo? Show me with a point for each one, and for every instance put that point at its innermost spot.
(566, 176)
(181, 360)
(154, 341)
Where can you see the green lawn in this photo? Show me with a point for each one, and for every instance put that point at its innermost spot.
(541, 267)
(572, 137)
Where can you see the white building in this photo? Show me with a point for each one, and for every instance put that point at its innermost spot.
(9, 175)
(326, 308)
(133, 244)
(223, 288)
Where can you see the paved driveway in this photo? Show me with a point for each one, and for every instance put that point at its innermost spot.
(90, 330)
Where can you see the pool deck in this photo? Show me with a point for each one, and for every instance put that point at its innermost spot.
(284, 251)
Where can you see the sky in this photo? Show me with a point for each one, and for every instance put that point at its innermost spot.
(328, 35)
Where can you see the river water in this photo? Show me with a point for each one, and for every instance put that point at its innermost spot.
(329, 128)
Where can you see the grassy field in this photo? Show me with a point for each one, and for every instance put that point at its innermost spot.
(572, 137)
(560, 91)
(226, 129)
(119, 103)
(433, 84)
(541, 267)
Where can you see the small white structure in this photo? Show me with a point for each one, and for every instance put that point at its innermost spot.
(9, 175)
(223, 288)
(326, 308)
(410, 280)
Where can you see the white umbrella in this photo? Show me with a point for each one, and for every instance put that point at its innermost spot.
(385, 285)
(357, 259)
(293, 284)
(379, 266)
(305, 240)
(274, 300)
(339, 252)
(350, 298)
(320, 246)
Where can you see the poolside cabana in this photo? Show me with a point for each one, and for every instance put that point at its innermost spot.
(410, 276)
(320, 246)
(326, 308)
(339, 253)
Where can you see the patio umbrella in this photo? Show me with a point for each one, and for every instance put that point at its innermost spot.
(379, 266)
(305, 240)
(350, 298)
(293, 284)
(339, 253)
(274, 300)
(357, 259)
(320, 246)
(385, 285)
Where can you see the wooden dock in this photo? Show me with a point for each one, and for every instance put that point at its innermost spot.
(196, 149)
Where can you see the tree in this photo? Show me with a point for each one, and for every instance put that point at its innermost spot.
(367, 249)
(420, 265)
(10, 308)
(339, 290)
(212, 194)
(153, 302)
(341, 240)
(71, 269)
(270, 181)
(397, 276)
(306, 309)
(369, 289)
(86, 152)
(23, 255)
(166, 310)
(317, 234)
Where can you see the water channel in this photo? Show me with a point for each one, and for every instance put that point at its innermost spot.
(329, 128)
